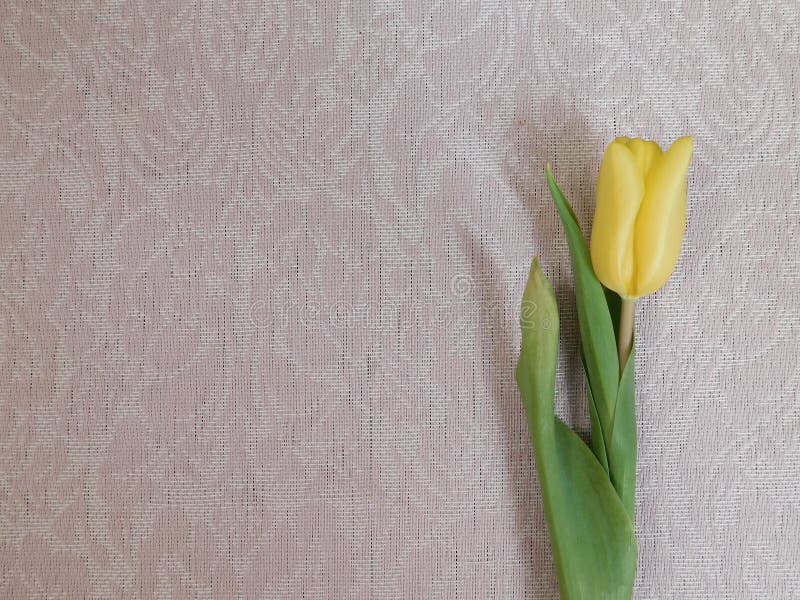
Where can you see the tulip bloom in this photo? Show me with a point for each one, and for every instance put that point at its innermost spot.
(640, 215)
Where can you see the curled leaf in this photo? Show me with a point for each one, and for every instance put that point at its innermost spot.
(591, 533)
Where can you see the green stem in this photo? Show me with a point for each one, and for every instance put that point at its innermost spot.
(625, 337)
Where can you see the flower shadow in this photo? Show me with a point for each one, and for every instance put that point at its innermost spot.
(541, 134)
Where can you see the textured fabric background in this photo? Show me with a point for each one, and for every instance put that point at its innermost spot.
(260, 268)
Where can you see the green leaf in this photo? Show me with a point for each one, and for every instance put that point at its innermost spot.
(598, 342)
(594, 547)
(623, 439)
(598, 436)
(614, 307)
(612, 408)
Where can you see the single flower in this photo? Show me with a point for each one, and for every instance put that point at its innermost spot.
(640, 215)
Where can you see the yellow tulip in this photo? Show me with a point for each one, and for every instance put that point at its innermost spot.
(640, 215)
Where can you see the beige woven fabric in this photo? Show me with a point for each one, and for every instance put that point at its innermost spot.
(260, 268)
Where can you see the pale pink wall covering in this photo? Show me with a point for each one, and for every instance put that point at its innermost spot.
(260, 264)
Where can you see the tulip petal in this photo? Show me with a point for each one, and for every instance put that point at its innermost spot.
(646, 154)
(620, 191)
(662, 218)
